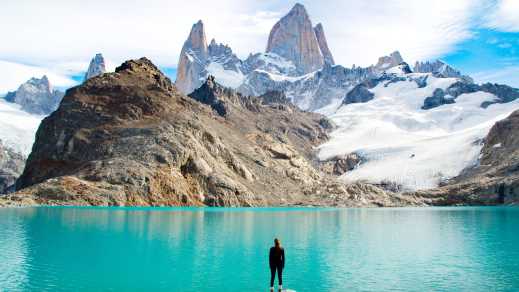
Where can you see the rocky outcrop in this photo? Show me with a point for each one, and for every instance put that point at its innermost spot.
(494, 180)
(323, 44)
(386, 62)
(502, 93)
(192, 61)
(210, 93)
(97, 67)
(358, 94)
(294, 39)
(36, 96)
(274, 97)
(130, 138)
(11, 166)
(437, 99)
(339, 165)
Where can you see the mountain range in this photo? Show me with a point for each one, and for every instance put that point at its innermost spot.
(286, 126)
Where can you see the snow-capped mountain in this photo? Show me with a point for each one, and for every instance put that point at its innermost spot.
(97, 67)
(414, 130)
(297, 61)
(36, 96)
(409, 128)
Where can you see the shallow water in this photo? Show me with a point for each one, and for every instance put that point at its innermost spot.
(427, 249)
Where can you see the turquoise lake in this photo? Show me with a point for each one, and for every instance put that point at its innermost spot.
(202, 249)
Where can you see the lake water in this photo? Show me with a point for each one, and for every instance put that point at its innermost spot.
(92, 249)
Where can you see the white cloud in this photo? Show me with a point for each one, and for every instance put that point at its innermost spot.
(507, 75)
(359, 31)
(46, 32)
(13, 74)
(63, 35)
(505, 16)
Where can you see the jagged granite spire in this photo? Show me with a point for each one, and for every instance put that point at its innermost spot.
(323, 44)
(386, 62)
(97, 66)
(293, 38)
(192, 59)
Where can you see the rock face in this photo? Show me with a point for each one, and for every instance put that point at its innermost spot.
(97, 67)
(11, 166)
(36, 96)
(386, 62)
(359, 93)
(294, 39)
(130, 138)
(323, 44)
(192, 61)
(502, 93)
(438, 98)
(495, 180)
(209, 93)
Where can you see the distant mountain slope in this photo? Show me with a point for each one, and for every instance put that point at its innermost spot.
(11, 166)
(415, 130)
(494, 179)
(17, 130)
(17, 127)
(36, 96)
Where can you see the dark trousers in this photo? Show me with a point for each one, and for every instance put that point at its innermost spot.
(273, 275)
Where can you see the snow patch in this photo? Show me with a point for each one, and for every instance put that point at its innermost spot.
(228, 78)
(17, 127)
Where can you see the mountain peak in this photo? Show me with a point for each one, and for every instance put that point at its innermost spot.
(323, 44)
(192, 59)
(197, 40)
(293, 38)
(97, 66)
(36, 96)
(298, 9)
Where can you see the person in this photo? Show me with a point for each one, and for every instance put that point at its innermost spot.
(277, 263)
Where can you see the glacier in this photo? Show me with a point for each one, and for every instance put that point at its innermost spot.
(401, 143)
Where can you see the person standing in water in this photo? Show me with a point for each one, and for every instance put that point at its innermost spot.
(277, 263)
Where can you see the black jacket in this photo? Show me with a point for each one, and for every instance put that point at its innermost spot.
(277, 258)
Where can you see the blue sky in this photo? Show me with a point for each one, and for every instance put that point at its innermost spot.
(487, 53)
(59, 37)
